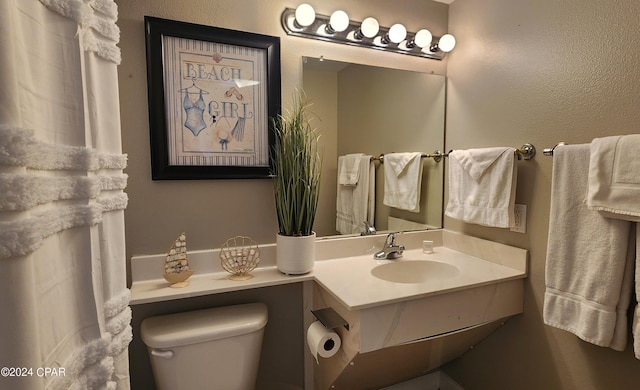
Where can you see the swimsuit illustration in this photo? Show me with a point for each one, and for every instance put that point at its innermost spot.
(195, 111)
(195, 122)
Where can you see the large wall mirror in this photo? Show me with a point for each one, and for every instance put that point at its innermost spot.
(374, 110)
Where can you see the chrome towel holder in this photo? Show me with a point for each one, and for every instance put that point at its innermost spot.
(525, 152)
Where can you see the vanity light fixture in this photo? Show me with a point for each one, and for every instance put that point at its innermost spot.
(421, 39)
(338, 22)
(368, 29)
(338, 28)
(304, 16)
(396, 34)
(446, 43)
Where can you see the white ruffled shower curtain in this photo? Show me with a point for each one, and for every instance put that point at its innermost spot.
(64, 306)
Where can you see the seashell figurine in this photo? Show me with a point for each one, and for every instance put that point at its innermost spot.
(239, 256)
(176, 266)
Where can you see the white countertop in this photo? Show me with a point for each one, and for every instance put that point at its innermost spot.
(157, 290)
(347, 277)
(350, 281)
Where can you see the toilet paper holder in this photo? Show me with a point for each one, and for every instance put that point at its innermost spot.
(330, 318)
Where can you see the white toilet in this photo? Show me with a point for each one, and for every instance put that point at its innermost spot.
(215, 348)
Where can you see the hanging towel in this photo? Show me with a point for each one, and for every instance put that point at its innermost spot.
(589, 270)
(371, 210)
(614, 177)
(636, 312)
(356, 203)
(349, 169)
(614, 192)
(402, 180)
(482, 186)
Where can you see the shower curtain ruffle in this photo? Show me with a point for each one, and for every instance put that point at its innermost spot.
(97, 22)
(87, 180)
(65, 302)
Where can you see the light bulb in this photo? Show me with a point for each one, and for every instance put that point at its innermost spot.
(397, 33)
(339, 21)
(446, 43)
(369, 27)
(305, 15)
(422, 38)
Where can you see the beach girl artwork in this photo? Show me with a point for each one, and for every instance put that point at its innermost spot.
(216, 101)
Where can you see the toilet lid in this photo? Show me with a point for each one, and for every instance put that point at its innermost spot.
(199, 326)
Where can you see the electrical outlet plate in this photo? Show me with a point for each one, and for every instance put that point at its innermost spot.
(520, 219)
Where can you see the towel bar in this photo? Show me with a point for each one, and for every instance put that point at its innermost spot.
(436, 156)
(526, 152)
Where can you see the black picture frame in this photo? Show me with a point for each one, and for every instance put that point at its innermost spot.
(212, 93)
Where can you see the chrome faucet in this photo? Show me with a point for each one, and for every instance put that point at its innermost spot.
(368, 229)
(390, 250)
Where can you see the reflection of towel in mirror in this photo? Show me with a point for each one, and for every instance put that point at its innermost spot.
(356, 203)
(349, 169)
(636, 313)
(402, 180)
(482, 186)
(589, 269)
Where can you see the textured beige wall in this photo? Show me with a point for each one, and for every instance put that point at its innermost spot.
(541, 71)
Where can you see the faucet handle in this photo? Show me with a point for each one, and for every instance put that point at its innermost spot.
(391, 238)
(390, 250)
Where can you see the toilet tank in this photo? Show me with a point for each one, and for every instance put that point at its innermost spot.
(216, 348)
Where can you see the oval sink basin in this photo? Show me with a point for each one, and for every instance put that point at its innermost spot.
(414, 271)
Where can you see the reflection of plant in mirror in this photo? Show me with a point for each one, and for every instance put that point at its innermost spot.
(297, 169)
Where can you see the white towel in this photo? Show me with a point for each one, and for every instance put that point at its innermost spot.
(614, 191)
(402, 180)
(349, 169)
(482, 186)
(589, 270)
(356, 203)
(614, 177)
(636, 316)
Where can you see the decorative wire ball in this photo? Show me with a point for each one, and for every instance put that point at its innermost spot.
(239, 256)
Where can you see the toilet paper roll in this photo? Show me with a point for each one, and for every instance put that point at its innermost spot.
(322, 341)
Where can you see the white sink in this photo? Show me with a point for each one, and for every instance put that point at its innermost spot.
(414, 271)
(382, 282)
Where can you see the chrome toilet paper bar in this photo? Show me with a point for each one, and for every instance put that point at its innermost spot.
(330, 319)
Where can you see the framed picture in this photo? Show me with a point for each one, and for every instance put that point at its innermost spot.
(212, 92)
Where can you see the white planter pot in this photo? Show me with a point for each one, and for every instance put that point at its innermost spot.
(295, 255)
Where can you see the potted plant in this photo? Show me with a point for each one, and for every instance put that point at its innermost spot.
(297, 166)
